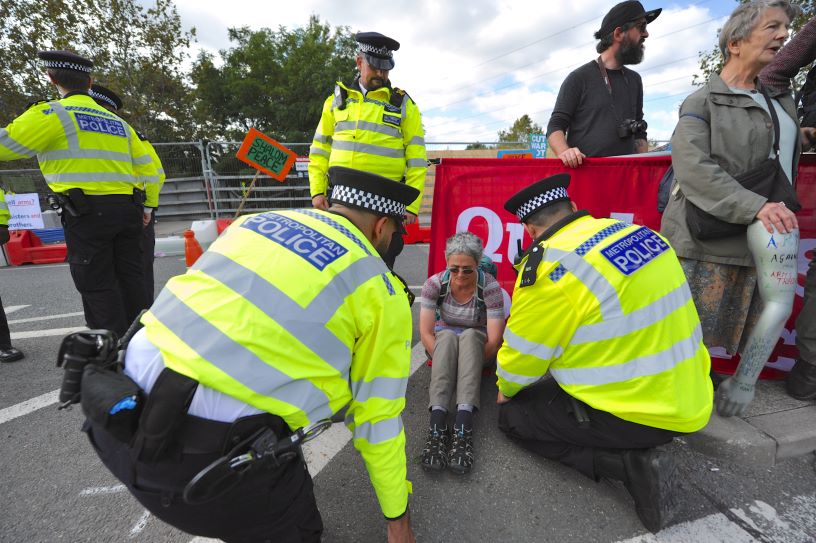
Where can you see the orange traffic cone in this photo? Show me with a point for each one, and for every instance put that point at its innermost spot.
(192, 249)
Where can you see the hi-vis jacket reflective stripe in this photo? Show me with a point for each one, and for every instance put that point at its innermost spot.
(294, 313)
(5, 216)
(372, 135)
(611, 316)
(153, 183)
(79, 144)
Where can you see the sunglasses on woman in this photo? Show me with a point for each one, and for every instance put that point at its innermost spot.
(457, 269)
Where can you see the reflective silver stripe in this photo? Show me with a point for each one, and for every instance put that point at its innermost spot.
(3, 205)
(142, 160)
(388, 388)
(307, 325)
(404, 106)
(639, 367)
(149, 179)
(14, 146)
(68, 154)
(636, 320)
(592, 279)
(356, 147)
(67, 125)
(524, 346)
(236, 360)
(160, 171)
(417, 140)
(521, 380)
(379, 431)
(371, 127)
(416, 163)
(322, 139)
(89, 178)
(318, 151)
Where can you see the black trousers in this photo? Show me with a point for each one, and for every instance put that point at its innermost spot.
(541, 419)
(5, 333)
(276, 506)
(148, 255)
(105, 257)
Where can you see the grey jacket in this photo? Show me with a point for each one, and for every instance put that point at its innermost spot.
(734, 135)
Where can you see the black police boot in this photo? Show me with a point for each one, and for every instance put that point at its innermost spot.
(650, 477)
(801, 383)
(10, 354)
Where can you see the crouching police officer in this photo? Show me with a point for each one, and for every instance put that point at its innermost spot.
(605, 307)
(289, 317)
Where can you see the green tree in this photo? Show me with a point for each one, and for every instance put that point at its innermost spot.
(477, 145)
(712, 61)
(138, 52)
(519, 131)
(273, 80)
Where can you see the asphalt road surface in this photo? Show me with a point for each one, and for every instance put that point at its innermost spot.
(53, 488)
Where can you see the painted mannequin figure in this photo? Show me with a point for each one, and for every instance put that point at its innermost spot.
(775, 259)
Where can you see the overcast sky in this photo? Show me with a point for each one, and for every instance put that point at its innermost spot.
(474, 66)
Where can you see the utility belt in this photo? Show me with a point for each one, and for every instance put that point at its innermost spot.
(76, 203)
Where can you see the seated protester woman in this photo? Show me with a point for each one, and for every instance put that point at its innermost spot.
(461, 325)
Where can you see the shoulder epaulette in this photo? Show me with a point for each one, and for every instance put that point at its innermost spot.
(35, 103)
(141, 136)
(398, 96)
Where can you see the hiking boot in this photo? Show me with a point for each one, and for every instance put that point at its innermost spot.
(460, 459)
(801, 383)
(10, 354)
(651, 479)
(435, 454)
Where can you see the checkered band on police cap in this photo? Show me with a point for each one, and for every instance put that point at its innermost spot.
(65, 65)
(99, 96)
(373, 202)
(540, 200)
(374, 50)
(65, 60)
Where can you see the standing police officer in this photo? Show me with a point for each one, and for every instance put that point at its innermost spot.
(289, 317)
(605, 307)
(373, 127)
(94, 162)
(7, 352)
(153, 185)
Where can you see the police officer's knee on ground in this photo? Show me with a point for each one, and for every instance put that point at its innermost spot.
(289, 317)
(605, 308)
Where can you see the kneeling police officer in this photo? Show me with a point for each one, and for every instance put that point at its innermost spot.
(289, 317)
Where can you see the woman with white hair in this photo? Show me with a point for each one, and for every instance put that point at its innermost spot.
(461, 323)
(722, 226)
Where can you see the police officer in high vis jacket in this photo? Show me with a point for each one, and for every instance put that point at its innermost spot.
(7, 352)
(289, 317)
(605, 308)
(95, 164)
(153, 185)
(371, 126)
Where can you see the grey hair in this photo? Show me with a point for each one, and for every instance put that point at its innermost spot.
(464, 243)
(743, 20)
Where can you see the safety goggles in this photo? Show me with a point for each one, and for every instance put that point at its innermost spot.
(457, 269)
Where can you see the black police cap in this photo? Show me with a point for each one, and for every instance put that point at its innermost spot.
(105, 97)
(370, 192)
(65, 60)
(539, 195)
(378, 49)
(623, 13)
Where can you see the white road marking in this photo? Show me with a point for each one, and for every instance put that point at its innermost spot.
(37, 267)
(13, 308)
(28, 406)
(46, 318)
(99, 490)
(47, 333)
(140, 524)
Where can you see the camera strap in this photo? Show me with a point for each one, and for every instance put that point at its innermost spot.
(608, 84)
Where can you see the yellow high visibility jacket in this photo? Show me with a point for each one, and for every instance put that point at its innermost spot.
(369, 133)
(79, 144)
(5, 215)
(295, 313)
(153, 184)
(605, 307)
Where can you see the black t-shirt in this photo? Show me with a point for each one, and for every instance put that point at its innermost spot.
(584, 110)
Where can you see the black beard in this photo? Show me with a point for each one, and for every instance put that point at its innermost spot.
(630, 53)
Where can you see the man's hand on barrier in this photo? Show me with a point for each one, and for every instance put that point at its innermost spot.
(399, 530)
(319, 201)
(410, 218)
(733, 396)
(808, 137)
(572, 157)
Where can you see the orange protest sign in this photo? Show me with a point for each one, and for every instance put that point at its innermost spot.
(266, 155)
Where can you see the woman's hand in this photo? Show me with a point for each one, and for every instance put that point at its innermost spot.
(775, 214)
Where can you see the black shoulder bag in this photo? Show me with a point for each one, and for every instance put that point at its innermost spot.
(768, 180)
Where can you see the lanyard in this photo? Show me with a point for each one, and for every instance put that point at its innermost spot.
(604, 75)
(608, 84)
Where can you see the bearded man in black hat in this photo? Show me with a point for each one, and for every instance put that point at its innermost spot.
(370, 125)
(599, 109)
(604, 307)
